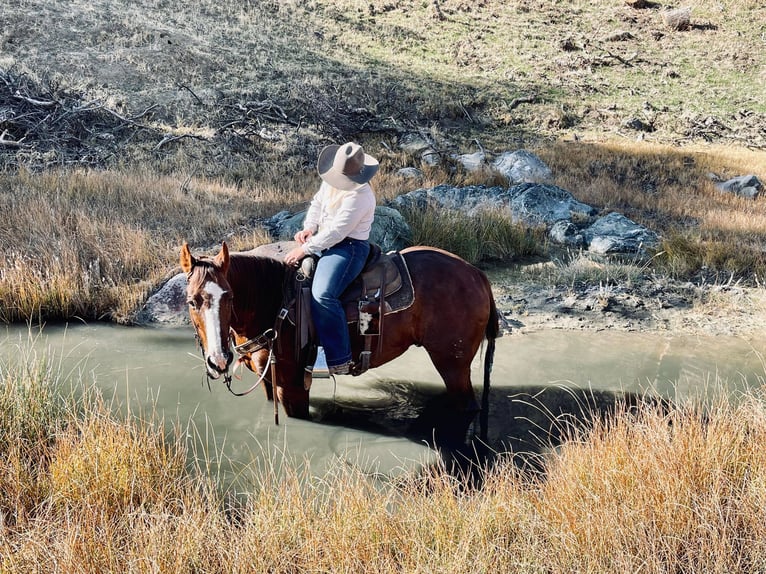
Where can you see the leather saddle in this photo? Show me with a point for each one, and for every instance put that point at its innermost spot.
(384, 286)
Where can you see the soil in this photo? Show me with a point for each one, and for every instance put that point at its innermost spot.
(650, 305)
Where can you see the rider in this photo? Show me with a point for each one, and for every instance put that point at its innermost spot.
(337, 228)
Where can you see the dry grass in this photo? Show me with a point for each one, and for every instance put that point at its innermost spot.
(669, 190)
(676, 488)
(263, 85)
(92, 244)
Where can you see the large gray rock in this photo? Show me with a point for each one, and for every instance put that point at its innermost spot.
(471, 161)
(168, 304)
(522, 166)
(748, 186)
(533, 204)
(389, 229)
(469, 198)
(615, 233)
(566, 233)
(541, 204)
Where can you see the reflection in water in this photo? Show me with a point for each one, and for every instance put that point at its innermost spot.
(387, 421)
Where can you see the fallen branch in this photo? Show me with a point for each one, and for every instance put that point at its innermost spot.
(10, 143)
(168, 138)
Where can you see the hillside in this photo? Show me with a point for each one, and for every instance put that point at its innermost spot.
(245, 79)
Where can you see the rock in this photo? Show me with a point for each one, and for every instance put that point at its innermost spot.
(566, 233)
(748, 186)
(414, 143)
(536, 204)
(522, 166)
(410, 173)
(471, 161)
(531, 203)
(389, 229)
(468, 198)
(615, 233)
(431, 157)
(677, 19)
(168, 304)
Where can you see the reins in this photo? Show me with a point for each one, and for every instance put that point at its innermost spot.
(262, 341)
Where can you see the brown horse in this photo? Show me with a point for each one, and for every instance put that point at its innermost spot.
(239, 297)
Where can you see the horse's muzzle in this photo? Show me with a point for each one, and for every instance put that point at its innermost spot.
(219, 365)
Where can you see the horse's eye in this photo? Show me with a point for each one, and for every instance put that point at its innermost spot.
(193, 304)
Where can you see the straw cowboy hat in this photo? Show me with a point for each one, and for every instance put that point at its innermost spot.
(346, 166)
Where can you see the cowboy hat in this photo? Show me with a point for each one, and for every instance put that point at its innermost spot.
(346, 166)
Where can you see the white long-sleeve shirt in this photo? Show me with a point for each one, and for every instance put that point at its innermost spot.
(335, 214)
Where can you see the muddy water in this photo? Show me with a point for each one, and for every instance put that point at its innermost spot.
(381, 420)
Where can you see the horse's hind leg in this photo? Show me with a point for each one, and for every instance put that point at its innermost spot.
(454, 367)
(455, 371)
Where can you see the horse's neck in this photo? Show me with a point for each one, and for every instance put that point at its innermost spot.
(257, 283)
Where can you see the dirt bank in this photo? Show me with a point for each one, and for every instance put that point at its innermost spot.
(652, 304)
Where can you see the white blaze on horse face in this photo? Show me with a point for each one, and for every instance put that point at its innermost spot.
(212, 318)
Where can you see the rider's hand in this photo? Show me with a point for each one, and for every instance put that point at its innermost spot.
(294, 256)
(303, 235)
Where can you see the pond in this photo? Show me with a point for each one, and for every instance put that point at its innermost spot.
(381, 421)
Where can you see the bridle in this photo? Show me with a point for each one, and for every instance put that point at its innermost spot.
(265, 340)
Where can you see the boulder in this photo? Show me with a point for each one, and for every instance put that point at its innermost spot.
(168, 305)
(615, 233)
(468, 198)
(748, 186)
(410, 173)
(540, 205)
(536, 204)
(566, 233)
(471, 161)
(522, 166)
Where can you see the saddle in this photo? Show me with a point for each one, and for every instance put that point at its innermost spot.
(384, 286)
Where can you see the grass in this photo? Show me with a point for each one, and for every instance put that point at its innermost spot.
(93, 244)
(259, 87)
(657, 488)
(487, 236)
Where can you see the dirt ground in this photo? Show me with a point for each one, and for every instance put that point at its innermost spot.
(653, 305)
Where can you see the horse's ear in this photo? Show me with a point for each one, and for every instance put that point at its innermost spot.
(222, 259)
(187, 260)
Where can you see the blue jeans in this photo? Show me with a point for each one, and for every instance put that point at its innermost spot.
(336, 269)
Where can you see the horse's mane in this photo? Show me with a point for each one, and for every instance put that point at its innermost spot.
(258, 281)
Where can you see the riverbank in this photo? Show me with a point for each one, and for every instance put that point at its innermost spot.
(645, 303)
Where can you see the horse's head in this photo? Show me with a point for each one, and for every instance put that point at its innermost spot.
(210, 300)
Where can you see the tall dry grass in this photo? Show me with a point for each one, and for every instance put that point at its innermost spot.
(656, 488)
(92, 244)
(670, 190)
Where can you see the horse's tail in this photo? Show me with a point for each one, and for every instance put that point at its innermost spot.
(491, 332)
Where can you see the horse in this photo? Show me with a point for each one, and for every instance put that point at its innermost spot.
(239, 298)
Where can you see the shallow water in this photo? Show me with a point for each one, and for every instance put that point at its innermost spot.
(380, 421)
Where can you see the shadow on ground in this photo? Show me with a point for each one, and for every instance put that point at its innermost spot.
(523, 423)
